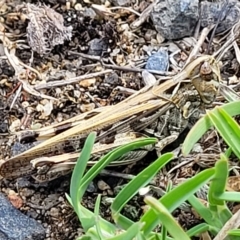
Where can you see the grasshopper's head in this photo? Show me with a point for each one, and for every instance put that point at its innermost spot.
(208, 79)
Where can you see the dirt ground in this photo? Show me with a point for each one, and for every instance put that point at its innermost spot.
(101, 40)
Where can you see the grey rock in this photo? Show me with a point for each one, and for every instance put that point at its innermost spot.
(175, 19)
(89, 12)
(3, 236)
(16, 226)
(112, 79)
(210, 12)
(3, 127)
(97, 47)
(92, 188)
(158, 61)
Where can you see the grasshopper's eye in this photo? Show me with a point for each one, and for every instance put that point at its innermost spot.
(206, 71)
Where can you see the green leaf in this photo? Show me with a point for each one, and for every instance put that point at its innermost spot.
(97, 217)
(75, 190)
(167, 219)
(230, 196)
(130, 234)
(110, 157)
(124, 222)
(88, 221)
(196, 230)
(206, 214)
(234, 232)
(85, 238)
(218, 183)
(79, 184)
(204, 125)
(176, 197)
(228, 128)
(141, 180)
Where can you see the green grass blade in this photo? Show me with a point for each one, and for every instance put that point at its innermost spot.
(76, 193)
(124, 222)
(97, 216)
(163, 228)
(81, 184)
(177, 196)
(111, 156)
(202, 210)
(230, 196)
(167, 219)
(228, 129)
(164, 232)
(196, 230)
(234, 232)
(141, 180)
(85, 238)
(224, 213)
(207, 215)
(118, 152)
(130, 234)
(204, 125)
(228, 152)
(218, 183)
(87, 219)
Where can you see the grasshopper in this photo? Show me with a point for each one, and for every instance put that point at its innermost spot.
(203, 74)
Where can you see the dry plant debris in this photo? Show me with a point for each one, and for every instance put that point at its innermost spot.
(61, 36)
(45, 28)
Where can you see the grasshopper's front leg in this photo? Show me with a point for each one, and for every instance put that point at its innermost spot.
(176, 120)
(190, 102)
(169, 128)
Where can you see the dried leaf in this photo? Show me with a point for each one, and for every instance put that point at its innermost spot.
(45, 29)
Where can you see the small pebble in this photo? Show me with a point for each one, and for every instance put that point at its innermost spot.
(87, 107)
(158, 61)
(15, 199)
(91, 188)
(97, 47)
(102, 185)
(54, 212)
